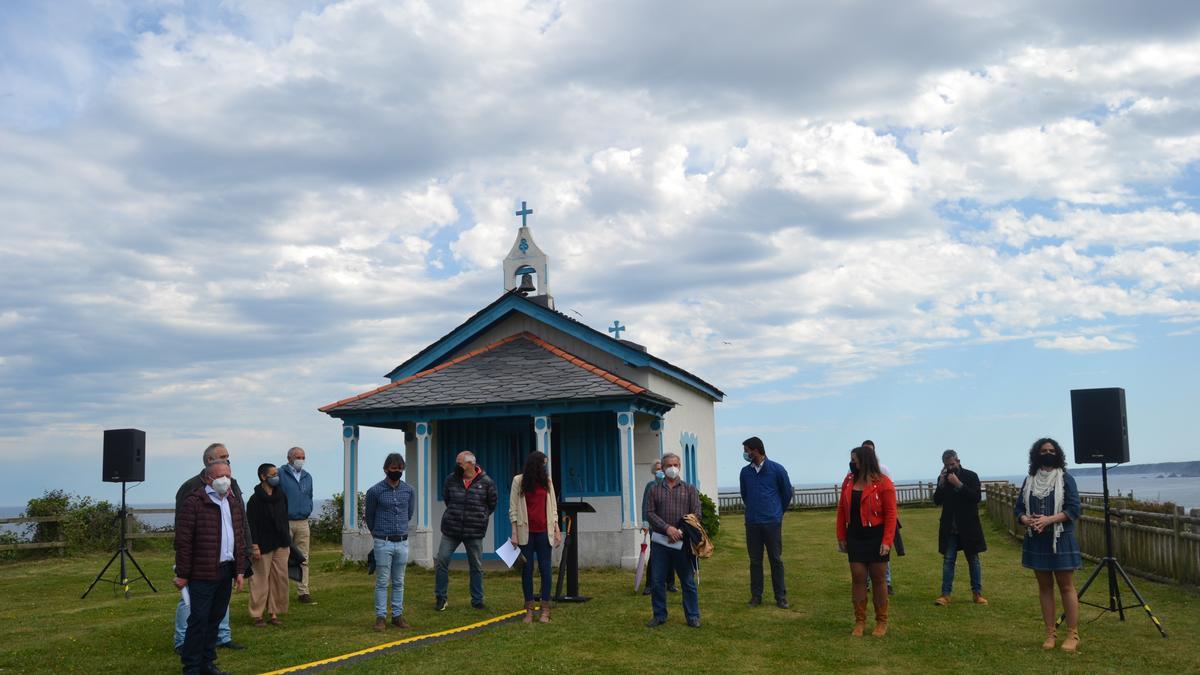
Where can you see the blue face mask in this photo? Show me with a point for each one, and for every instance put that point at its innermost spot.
(746, 456)
(273, 481)
(659, 475)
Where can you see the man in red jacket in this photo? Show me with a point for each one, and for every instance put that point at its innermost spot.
(209, 558)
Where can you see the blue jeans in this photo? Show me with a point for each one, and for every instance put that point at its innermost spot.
(663, 559)
(391, 559)
(948, 560)
(539, 545)
(181, 616)
(441, 578)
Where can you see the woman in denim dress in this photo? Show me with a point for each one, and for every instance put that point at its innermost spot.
(1048, 507)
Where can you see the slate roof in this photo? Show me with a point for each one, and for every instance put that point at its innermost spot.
(517, 369)
(596, 335)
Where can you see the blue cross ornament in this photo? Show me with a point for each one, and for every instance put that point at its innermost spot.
(616, 329)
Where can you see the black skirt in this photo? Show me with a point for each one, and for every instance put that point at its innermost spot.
(862, 543)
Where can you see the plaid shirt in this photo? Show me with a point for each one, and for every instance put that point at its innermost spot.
(667, 505)
(389, 508)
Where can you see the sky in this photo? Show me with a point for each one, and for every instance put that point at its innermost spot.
(922, 223)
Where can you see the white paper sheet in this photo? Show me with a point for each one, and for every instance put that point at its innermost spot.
(659, 538)
(508, 553)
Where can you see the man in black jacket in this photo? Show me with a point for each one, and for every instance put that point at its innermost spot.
(213, 454)
(470, 498)
(958, 494)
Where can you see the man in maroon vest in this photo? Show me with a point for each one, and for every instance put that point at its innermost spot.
(210, 557)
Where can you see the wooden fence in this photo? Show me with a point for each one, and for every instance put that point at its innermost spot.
(827, 497)
(1157, 546)
(60, 543)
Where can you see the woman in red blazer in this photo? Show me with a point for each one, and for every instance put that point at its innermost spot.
(866, 527)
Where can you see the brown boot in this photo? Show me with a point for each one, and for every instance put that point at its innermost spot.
(545, 618)
(380, 624)
(399, 622)
(1051, 636)
(1072, 642)
(881, 619)
(860, 618)
(979, 599)
(528, 612)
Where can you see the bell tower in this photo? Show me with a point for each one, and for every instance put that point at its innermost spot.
(526, 268)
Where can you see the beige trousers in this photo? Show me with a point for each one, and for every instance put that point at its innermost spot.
(269, 585)
(299, 529)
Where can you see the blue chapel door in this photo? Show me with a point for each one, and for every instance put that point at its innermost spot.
(514, 441)
(501, 445)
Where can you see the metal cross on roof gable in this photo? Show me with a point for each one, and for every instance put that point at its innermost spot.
(523, 212)
(616, 329)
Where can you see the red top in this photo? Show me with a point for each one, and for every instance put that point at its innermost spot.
(877, 506)
(535, 505)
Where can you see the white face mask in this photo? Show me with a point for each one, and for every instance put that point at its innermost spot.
(221, 485)
(672, 472)
(297, 464)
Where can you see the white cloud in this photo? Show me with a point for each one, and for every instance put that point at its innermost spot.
(267, 208)
(1081, 343)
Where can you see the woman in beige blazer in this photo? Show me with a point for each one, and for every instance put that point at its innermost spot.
(533, 510)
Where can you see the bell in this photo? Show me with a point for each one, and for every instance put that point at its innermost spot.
(526, 286)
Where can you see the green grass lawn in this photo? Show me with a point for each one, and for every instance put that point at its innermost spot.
(45, 627)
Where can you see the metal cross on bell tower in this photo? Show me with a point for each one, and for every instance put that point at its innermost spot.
(525, 211)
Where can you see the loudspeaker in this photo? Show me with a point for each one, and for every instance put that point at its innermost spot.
(1101, 430)
(124, 455)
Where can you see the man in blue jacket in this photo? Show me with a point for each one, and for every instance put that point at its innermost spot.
(298, 486)
(766, 492)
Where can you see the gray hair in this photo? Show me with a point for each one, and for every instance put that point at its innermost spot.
(948, 454)
(469, 456)
(208, 470)
(668, 456)
(292, 450)
(211, 451)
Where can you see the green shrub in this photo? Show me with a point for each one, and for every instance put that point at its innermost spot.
(328, 526)
(88, 525)
(709, 518)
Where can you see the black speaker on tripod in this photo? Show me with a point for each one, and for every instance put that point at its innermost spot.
(124, 456)
(1101, 433)
(124, 461)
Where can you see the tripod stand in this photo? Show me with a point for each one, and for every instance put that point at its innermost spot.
(1114, 568)
(122, 552)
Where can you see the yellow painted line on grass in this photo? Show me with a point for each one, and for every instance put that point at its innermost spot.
(405, 641)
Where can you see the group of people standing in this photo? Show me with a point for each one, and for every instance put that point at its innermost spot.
(867, 525)
(470, 499)
(221, 539)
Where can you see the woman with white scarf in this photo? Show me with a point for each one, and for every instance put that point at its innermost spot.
(1048, 508)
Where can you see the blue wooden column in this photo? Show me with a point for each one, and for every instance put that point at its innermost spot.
(659, 427)
(629, 497)
(350, 478)
(424, 432)
(541, 428)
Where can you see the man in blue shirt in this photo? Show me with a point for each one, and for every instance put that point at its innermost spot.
(389, 508)
(766, 492)
(297, 484)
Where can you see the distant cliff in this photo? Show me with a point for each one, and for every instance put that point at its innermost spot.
(1190, 469)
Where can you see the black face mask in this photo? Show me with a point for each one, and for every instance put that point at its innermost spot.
(1048, 461)
(458, 470)
(853, 469)
(394, 475)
